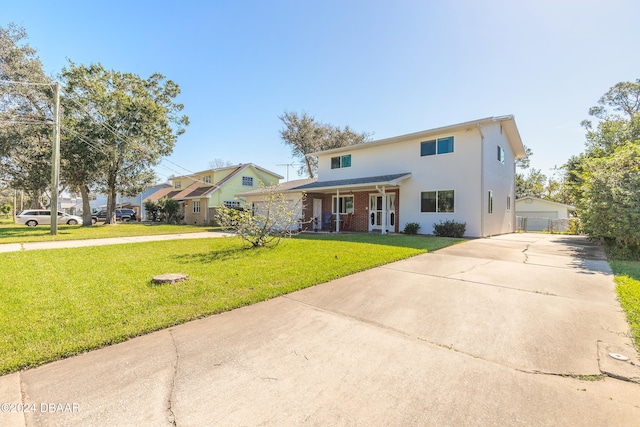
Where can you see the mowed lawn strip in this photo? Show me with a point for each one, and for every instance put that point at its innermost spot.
(22, 234)
(57, 303)
(627, 277)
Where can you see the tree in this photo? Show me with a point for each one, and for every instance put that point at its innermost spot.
(605, 179)
(532, 184)
(169, 210)
(219, 163)
(153, 209)
(267, 222)
(128, 122)
(26, 114)
(525, 162)
(305, 136)
(5, 209)
(610, 201)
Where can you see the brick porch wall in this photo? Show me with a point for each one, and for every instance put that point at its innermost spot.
(360, 219)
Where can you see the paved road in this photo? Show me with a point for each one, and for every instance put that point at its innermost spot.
(512, 330)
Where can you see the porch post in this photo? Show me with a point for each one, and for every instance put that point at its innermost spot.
(337, 211)
(384, 211)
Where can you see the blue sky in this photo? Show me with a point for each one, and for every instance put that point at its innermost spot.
(388, 68)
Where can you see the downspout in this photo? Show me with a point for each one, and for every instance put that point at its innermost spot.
(481, 181)
(384, 209)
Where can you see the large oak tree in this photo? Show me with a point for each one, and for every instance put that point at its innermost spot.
(305, 135)
(117, 127)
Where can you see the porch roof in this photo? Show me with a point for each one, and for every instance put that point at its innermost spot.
(369, 181)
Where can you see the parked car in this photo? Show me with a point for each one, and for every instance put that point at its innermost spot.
(33, 217)
(121, 215)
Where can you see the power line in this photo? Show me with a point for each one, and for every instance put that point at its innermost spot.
(26, 83)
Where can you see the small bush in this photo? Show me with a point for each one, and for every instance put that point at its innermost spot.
(449, 228)
(575, 226)
(411, 228)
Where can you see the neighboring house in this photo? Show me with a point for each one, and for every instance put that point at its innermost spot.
(255, 199)
(536, 214)
(98, 201)
(70, 205)
(463, 172)
(200, 193)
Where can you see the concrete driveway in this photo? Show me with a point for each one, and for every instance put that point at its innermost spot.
(512, 330)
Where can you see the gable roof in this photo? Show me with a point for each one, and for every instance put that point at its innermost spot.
(236, 168)
(545, 201)
(508, 123)
(288, 186)
(196, 191)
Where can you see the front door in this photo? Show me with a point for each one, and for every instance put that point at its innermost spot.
(317, 214)
(375, 212)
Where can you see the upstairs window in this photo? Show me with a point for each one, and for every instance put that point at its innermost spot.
(500, 154)
(247, 181)
(436, 146)
(206, 179)
(341, 162)
(177, 185)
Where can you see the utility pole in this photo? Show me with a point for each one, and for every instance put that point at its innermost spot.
(55, 162)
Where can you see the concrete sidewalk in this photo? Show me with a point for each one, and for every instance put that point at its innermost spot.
(29, 246)
(513, 330)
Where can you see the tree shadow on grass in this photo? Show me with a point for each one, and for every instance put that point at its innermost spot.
(220, 255)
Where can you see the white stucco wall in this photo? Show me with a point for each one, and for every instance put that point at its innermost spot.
(499, 178)
(459, 171)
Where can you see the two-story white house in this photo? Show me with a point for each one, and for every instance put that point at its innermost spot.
(463, 172)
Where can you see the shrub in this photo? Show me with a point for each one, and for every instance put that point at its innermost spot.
(267, 222)
(449, 228)
(153, 210)
(575, 227)
(411, 228)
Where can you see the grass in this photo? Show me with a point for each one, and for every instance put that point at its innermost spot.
(627, 277)
(57, 303)
(21, 233)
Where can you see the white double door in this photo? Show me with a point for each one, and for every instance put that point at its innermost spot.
(376, 212)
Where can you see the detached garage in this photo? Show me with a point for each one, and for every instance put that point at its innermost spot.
(535, 214)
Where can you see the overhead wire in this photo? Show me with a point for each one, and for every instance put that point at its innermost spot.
(72, 97)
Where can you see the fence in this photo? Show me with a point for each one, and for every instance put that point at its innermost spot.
(524, 223)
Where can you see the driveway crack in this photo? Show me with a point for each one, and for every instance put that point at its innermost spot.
(23, 398)
(172, 415)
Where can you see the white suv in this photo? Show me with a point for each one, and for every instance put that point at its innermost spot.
(33, 217)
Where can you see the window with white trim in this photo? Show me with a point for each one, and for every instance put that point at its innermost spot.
(436, 146)
(232, 203)
(196, 206)
(206, 179)
(247, 181)
(490, 201)
(341, 162)
(500, 154)
(342, 204)
(437, 201)
(177, 185)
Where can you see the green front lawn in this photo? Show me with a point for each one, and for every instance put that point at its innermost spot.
(627, 277)
(56, 303)
(21, 233)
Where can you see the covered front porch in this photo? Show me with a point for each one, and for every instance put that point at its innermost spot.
(362, 204)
